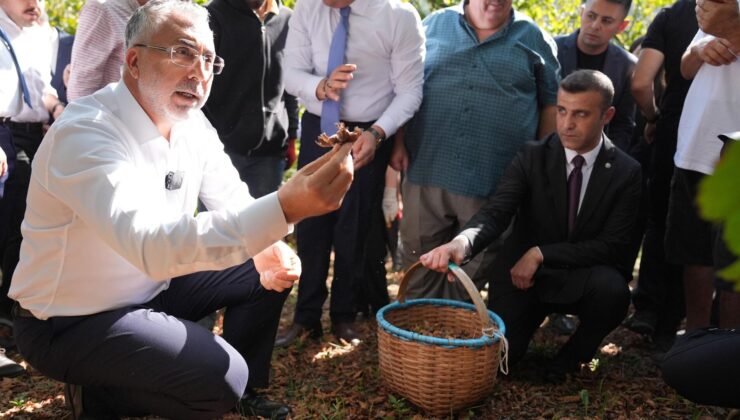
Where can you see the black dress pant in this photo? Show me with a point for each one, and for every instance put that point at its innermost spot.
(660, 285)
(344, 230)
(26, 138)
(704, 366)
(601, 307)
(154, 358)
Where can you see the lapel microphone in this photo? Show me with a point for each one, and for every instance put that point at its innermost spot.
(173, 180)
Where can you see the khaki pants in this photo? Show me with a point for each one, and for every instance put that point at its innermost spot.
(433, 216)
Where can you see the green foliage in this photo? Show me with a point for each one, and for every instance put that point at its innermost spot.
(720, 202)
(63, 14)
(558, 17)
(561, 17)
(584, 400)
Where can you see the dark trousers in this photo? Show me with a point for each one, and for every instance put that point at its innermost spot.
(263, 174)
(371, 293)
(601, 307)
(704, 366)
(660, 285)
(13, 206)
(343, 230)
(153, 358)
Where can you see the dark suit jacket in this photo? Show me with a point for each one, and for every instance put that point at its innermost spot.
(248, 105)
(618, 65)
(534, 189)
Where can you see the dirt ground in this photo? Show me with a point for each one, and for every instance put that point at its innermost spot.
(323, 379)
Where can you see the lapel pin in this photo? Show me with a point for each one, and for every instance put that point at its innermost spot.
(608, 165)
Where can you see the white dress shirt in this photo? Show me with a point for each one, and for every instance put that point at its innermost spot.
(711, 108)
(35, 47)
(586, 169)
(102, 232)
(385, 41)
(10, 89)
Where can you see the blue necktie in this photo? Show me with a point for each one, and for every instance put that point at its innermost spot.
(24, 86)
(330, 109)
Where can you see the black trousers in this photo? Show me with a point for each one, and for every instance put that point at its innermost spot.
(704, 366)
(601, 307)
(154, 358)
(660, 285)
(371, 293)
(13, 205)
(343, 230)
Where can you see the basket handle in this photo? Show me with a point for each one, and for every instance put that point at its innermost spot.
(480, 307)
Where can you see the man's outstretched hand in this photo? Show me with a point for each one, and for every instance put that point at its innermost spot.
(318, 187)
(279, 267)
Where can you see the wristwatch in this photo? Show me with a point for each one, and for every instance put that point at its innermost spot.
(378, 137)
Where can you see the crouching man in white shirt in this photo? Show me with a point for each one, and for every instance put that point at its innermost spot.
(115, 266)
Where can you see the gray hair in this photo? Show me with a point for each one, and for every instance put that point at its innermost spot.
(590, 81)
(147, 18)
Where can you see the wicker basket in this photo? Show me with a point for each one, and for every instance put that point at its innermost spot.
(440, 375)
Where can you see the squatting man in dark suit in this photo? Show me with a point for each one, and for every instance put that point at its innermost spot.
(115, 266)
(575, 196)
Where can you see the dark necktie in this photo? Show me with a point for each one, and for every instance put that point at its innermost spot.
(24, 86)
(330, 109)
(575, 179)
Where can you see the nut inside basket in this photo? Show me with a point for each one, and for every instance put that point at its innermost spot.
(437, 321)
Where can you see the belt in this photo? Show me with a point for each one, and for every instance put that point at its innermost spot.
(19, 312)
(4, 120)
(29, 127)
(349, 124)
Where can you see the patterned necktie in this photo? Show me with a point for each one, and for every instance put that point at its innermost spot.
(575, 179)
(24, 86)
(330, 108)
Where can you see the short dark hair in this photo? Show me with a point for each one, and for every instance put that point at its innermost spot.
(626, 4)
(590, 81)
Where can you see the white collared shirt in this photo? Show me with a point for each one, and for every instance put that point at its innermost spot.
(102, 232)
(35, 47)
(587, 167)
(385, 41)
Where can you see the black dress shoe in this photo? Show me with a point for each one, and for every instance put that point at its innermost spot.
(7, 340)
(255, 404)
(296, 330)
(562, 324)
(8, 367)
(642, 322)
(345, 331)
(90, 410)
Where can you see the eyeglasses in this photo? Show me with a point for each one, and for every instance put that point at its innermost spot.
(184, 56)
